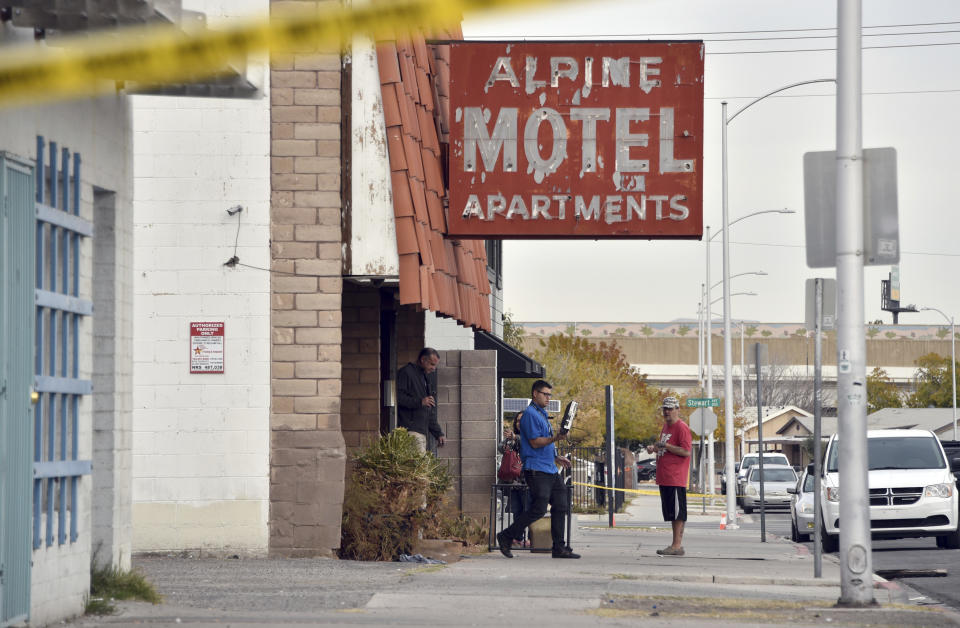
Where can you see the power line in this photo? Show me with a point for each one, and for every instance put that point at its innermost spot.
(883, 93)
(760, 52)
(743, 32)
(803, 246)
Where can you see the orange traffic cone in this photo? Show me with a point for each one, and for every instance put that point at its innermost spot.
(723, 521)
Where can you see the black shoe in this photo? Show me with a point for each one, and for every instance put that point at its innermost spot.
(503, 542)
(565, 552)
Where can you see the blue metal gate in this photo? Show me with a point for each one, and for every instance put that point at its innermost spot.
(16, 361)
(59, 308)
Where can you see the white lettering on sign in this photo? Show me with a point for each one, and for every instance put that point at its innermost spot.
(503, 138)
(615, 208)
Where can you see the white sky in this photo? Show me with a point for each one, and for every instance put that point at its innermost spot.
(639, 280)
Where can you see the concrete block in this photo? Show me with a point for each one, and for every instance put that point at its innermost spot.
(477, 448)
(478, 358)
(470, 394)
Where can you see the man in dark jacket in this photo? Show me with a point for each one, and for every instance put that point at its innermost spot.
(416, 399)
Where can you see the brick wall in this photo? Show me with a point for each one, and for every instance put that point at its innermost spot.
(307, 446)
(360, 407)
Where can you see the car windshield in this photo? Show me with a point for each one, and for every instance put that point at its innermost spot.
(767, 459)
(896, 452)
(773, 475)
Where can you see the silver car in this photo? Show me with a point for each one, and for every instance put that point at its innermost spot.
(801, 509)
(777, 478)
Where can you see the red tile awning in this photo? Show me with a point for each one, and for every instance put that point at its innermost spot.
(445, 276)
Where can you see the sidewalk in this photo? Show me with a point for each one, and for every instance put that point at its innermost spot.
(726, 578)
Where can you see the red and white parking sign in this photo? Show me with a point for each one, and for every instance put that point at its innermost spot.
(206, 347)
(576, 139)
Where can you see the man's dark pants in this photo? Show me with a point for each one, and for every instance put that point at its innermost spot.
(545, 488)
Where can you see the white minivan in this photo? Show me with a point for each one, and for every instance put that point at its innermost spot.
(913, 490)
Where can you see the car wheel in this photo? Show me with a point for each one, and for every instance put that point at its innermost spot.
(829, 543)
(952, 540)
(941, 541)
(747, 509)
(794, 536)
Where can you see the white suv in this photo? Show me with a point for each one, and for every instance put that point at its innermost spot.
(913, 491)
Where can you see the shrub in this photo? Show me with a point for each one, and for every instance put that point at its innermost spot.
(383, 506)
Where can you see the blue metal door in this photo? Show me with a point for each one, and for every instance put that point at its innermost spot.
(17, 228)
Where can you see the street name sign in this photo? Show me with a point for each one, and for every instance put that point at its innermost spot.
(704, 402)
(572, 139)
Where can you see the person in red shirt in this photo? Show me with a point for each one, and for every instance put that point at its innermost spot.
(673, 466)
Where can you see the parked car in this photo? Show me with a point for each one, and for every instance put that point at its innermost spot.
(801, 508)
(776, 479)
(646, 469)
(723, 476)
(748, 461)
(913, 490)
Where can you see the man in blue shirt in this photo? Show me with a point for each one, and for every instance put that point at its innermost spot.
(540, 462)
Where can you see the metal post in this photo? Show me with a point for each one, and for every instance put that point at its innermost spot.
(700, 337)
(611, 459)
(728, 402)
(708, 320)
(743, 370)
(856, 569)
(763, 512)
(953, 373)
(817, 422)
(703, 498)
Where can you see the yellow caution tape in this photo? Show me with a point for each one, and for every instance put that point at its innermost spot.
(73, 66)
(644, 492)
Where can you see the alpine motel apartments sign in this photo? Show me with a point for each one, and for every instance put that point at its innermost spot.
(576, 139)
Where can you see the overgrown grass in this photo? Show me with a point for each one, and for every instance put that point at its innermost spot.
(108, 584)
(396, 495)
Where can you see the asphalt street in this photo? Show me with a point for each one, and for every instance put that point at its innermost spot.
(899, 554)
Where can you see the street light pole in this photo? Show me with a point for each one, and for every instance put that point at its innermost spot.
(727, 375)
(953, 363)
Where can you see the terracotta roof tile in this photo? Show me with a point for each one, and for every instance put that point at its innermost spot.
(398, 159)
(418, 192)
(423, 241)
(387, 62)
(420, 52)
(445, 276)
(435, 211)
(425, 88)
(428, 130)
(406, 235)
(402, 203)
(411, 148)
(431, 172)
(391, 106)
(410, 279)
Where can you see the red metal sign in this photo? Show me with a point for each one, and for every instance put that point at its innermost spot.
(576, 140)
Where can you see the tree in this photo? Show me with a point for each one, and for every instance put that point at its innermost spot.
(881, 392)
(581, 370)
(933, 383)
(781, 387)
(512, 333)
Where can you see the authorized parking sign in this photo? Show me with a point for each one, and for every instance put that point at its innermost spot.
(206, 347)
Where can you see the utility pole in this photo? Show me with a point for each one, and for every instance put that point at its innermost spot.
(856, 563)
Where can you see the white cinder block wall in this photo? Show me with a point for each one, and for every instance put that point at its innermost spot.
(100, 131)
(201, 442)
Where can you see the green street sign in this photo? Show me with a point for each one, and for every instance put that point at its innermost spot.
(704, 402)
